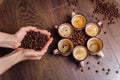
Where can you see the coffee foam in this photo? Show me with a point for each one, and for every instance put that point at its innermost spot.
(80, 53)
(78, 21)
(65, 46)
(92, 29)
(94, 45)
(65, 30)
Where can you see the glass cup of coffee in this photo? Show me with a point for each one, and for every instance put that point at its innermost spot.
(64, 30)
(65, 47)
(95, 46)
(93, 29)
(78, 21)
(80, 53)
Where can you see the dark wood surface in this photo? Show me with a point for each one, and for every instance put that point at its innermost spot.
(44, 14)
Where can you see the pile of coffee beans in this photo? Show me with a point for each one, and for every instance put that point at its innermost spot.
(34, 40)
(79, 37)
(109, 10)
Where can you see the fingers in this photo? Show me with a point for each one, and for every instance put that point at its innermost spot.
(37, 58)
(47, 44)
(40, 53)
(31, 28)
(28, 28)
(30, 54)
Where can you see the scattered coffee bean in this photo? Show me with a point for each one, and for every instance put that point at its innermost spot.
(88, 68)
(81, 70)
(103, 69)
(87, 63)
(96, 18)
(98, 62)
(96, 71)
(107, 73)
(73, 2)
(117, 72)
(34, 40)
(105, 32)
(74, 9)
(108, 70)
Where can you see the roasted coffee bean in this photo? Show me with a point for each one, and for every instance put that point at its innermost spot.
(107, 73)
(88, 68)
(108, 70)
(98, 62)
(79, 37)
(96, 71)
(34, 40)
(81, 70)
(87, 63)
(105, 32)
(117, 72)
(103, 69)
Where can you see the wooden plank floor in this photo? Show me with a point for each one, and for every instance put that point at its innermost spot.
(44, 14)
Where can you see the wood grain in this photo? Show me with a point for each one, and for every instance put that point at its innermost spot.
(45, 14)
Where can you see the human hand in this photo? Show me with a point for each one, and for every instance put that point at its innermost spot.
(21, 54)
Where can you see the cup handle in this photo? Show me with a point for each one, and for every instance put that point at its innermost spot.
(99, 23)
(82, 64)
(73, 13)
(56, 26)
(56, 51)
(100, 54)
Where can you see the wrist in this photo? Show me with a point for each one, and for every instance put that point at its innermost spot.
(19, 55)
(7, 40)
(14, 41)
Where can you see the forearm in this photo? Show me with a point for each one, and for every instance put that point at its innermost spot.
(7, 40)
(9, 60)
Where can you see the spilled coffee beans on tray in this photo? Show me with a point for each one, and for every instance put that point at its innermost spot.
(34, 40)
(79, 37)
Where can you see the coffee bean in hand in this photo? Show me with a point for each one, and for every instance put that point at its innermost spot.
(34, 40)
